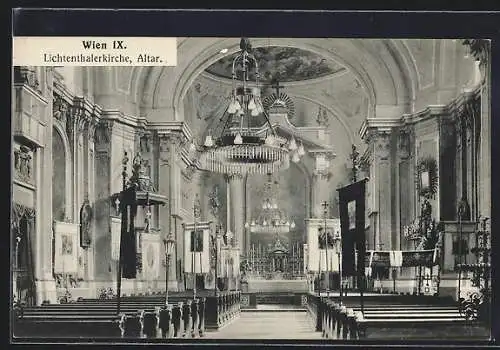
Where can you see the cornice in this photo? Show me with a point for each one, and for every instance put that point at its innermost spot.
(432, 111)
(381, 124)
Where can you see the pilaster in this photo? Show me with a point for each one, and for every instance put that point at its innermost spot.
(384, 177)
(237, 203)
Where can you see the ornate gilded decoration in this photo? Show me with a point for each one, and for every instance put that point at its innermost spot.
(427, 178)
(197, 207)
(27, 75)
(103, 132)
(405, 141)
(479, 48)
(322, 117)
(18, 212)
(60, 109)
(141, 175)
(23, 166)
(279, 100)
(86, 214)
(214, 201)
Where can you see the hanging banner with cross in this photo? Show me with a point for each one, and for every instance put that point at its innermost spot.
(197, 247)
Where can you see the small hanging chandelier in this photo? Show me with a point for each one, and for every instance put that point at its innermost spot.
(271, 218)
(238, 145)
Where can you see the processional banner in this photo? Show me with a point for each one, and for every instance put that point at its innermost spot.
(128, 241)
(352, 223)
(197, 247)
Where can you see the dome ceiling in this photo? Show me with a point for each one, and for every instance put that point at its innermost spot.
(291, 64)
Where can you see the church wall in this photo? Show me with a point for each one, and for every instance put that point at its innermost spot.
(443, 70)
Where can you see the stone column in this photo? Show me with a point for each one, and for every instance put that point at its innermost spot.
(484, 167)
(168, 177)
(42, 253)
(101, 241)
(405, 193)
(237, 199)
(90, 191)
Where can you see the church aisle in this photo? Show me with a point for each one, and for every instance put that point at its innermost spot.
(269, 325)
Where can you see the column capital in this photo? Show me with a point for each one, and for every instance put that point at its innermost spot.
(172, 141)
(233, 177)
(322, 175)
(379, 124)
(102, 134)
(406, 139)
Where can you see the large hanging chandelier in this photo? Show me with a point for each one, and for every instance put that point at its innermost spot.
(271, 218)
(244, 141)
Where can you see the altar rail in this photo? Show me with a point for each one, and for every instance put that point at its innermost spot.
(385, 320)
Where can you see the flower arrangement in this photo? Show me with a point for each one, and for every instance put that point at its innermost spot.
(412, 231)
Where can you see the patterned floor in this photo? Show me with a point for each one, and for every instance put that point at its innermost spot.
(269, 325)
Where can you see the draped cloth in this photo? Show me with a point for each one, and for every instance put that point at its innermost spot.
(22, 226)
(368, 271)
(396, 258)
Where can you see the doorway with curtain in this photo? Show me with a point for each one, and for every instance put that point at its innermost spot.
(22, 228)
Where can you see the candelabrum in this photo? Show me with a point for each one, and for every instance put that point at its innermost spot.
(478, 303)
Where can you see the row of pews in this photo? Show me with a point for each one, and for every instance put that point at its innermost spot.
(392, 319)
(144, 316)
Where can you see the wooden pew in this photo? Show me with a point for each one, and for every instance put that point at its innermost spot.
(222, 309)
(399, 321)
(97, 318)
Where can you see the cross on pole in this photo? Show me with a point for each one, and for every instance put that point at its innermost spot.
(276, 85)
(325, 206)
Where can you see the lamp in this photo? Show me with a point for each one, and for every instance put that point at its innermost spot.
(169, 244)
(271, 218)
(244, 141)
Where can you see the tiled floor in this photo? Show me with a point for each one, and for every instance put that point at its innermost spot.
(269, 325)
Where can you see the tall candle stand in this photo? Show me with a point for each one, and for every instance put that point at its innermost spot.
(478, 304)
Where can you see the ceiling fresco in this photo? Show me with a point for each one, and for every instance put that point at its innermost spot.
(291, 64)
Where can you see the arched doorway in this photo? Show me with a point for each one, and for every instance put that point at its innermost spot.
(23, 273)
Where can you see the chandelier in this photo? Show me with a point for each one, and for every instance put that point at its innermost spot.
(244, 141)
(271, 218)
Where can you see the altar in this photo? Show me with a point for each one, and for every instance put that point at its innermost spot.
(276, 268)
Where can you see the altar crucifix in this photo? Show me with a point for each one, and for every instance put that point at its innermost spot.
(275, 84)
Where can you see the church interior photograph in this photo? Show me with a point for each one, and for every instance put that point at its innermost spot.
(262, 188)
